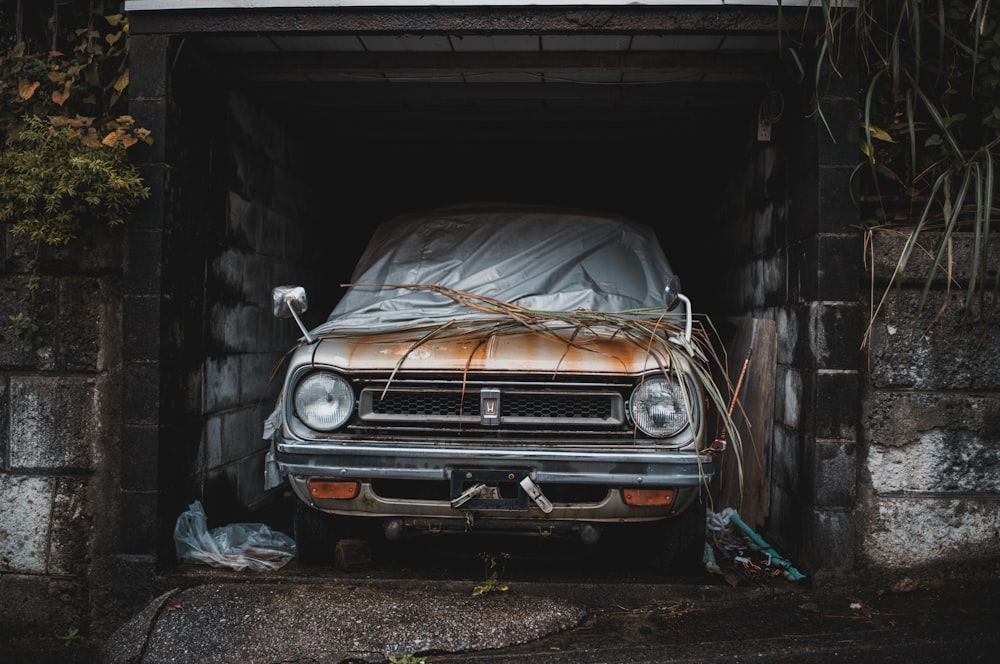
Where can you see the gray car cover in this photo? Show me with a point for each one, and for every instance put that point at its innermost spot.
(543, 259)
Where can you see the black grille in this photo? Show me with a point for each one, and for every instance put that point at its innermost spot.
(425, 403)
(558, 407)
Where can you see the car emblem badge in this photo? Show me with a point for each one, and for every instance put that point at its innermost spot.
(489, 406)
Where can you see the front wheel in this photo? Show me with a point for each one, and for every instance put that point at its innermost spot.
(679, 542)
(316, 534)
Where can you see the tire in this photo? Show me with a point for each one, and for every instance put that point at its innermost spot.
(679, 542)
(316, 534)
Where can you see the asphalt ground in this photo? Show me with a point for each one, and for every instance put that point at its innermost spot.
(552, 602)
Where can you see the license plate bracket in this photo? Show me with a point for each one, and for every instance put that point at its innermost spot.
(508, 489)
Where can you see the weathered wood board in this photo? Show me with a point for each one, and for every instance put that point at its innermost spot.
(754, 417)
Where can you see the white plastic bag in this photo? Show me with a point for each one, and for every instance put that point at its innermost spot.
(240, 546)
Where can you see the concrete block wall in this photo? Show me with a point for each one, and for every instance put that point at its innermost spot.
(59, 401)
(150, 379)
(794, 256)
(268, 212)
(929, 483)
(233, 202)
(819, 331)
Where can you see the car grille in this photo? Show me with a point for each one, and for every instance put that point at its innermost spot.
(583, 406)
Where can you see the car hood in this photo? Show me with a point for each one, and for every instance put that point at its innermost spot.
(488, 346)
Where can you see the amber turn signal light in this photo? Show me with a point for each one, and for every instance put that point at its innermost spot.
(333, 489)
(648, 496)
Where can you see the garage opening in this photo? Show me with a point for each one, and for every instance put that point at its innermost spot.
(285, 147)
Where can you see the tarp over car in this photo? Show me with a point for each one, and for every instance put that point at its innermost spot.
(542, 259)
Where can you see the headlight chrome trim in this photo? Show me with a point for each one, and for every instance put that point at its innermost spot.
(658, 406)
(323, 400)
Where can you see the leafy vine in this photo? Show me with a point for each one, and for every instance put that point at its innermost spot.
(65, 131)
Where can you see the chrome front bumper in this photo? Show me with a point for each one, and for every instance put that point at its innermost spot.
(614, 468)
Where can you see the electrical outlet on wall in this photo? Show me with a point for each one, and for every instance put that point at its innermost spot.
(763, 129)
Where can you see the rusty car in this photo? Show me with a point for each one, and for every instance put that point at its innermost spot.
(499, 369)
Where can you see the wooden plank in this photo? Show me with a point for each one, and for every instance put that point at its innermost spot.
(754, 416)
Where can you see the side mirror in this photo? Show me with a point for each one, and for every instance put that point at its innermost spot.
(672, 292)
(289, 302)
(671, 296)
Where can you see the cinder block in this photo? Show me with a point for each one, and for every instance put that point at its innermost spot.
(951, 354)
(831, 541)
(786, 461)
(251, 479)
(148, 65)
(149, 214)
(213, 445)
(792, 395)
(72, 528)
(838, 212)
(834, 474)
(139, 457)
(89, 329)
(222, 383)
(4, 420)
(838, 405)
(887, 247)
(272, 235)
(25, 520)
(55, 421)
(835, 331)
(933, 442)
(831, 268)
(139, 528)
(150, 113)
(903, 531)
(245, 219)
(30, 347)
(141, 393)
(141, 327)
(241, 434)
(143, 267)
(261, 377)
(256, 286)
(226, 274)
(840, 149)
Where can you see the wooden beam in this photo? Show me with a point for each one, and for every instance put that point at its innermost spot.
(637, 62)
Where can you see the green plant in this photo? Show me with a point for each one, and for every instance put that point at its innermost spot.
(494, 574)
(82, 70)
(58, 174)
(63, 94)
(71, 636)
(23, 329)
(63, 80)
(408, 659)
(930, 131)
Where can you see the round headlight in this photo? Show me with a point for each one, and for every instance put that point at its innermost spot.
(657, 407)
(324, 401)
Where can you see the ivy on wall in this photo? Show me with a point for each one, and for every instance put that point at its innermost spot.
(64, 132)
(63, 121)
(57, 174)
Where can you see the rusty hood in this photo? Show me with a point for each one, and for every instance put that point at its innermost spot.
(493, 347)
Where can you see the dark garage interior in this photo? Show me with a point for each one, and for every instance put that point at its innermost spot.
(286, 136)
(650, 126)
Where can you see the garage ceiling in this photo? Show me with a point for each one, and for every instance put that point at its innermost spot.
(366, 81)
(440, 73)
